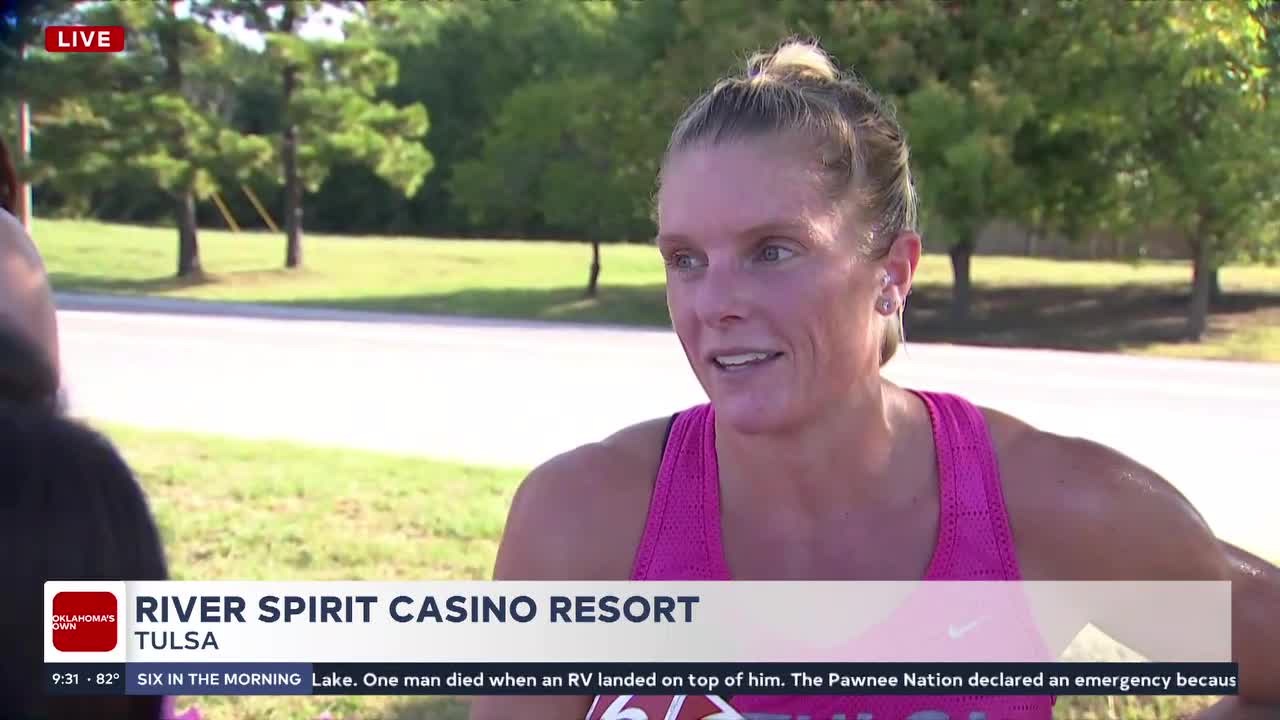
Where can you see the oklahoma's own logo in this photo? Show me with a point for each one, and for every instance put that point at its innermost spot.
(84, 38)
(84, 621)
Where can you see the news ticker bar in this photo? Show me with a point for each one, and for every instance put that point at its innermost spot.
(643, 679)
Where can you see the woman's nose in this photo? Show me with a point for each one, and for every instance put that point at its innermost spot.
(722, 294)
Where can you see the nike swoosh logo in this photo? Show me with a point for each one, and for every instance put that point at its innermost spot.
(955, 633)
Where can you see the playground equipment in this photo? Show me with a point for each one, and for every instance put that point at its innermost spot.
(253, 200)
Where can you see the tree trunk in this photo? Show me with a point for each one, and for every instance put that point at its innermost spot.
(289, 152)
(1201, 280)
(292, 199)
(594, 277)
(1215, 287)
(961, 283)
(188, 241)
(184, 199)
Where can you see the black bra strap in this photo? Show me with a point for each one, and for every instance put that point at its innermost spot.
(667, 437)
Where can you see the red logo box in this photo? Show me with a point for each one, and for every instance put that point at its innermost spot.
(84, 621)
(84, 38)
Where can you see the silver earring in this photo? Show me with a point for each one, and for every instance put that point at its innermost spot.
(886, 304)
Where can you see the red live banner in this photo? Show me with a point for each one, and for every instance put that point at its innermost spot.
(84, 38)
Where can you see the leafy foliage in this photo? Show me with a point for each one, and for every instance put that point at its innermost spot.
(549, 118)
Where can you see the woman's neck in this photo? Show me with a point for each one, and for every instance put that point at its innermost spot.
(838, 459)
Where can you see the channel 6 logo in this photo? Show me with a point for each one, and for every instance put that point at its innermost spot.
(84, 621)
(661, 707)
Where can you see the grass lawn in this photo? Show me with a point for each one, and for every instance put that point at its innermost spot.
(249, 510)
(1075, 305)
(236, 510)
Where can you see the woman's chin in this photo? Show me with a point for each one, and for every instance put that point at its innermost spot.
(751, 415)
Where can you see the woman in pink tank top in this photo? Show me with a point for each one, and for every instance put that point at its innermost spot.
(682, 541)
(787, 214)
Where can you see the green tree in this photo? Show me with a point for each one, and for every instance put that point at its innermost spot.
(470, 58)
(152, 116)
(950, 70)
(964, 147)
(1166, 103)
(575, 151)
(567, 151)
(330, 111)
(1074, 151)
(1204, 158)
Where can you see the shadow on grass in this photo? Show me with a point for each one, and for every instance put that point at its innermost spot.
(1061, 317)
(167, 283)
(628, 305)
(631, 305)
(1076, 318)
(93, 284)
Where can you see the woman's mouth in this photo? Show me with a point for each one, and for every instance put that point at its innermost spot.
(743, 360)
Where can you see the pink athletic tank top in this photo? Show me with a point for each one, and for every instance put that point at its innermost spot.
(682, 541)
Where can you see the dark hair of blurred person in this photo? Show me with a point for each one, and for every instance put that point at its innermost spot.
(27, 378)
(70, 509)
(8, 179)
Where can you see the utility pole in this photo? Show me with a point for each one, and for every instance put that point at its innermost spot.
(24, 152)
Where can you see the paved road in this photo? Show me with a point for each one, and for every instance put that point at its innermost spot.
(514, 393)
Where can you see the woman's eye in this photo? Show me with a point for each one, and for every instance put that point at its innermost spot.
(682, 261)
(774, 253)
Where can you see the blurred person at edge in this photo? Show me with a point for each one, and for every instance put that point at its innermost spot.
(70, 506)
(26, 300)
(70, 509)
(787, 219)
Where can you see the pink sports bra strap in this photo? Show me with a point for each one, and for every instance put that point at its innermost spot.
(975, 540)
(682, 534)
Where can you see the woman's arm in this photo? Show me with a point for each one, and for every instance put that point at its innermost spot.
(577, 517)
(1082, 511)
(1255, 615)
(538, 544)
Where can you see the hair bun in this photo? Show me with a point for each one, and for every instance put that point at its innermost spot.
(793, 60)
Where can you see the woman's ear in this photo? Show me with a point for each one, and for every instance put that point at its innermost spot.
(900, 265)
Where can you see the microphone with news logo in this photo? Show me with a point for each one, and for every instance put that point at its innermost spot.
(661, 707)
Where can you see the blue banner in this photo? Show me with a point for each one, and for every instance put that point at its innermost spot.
(218, 678)
(279, 678)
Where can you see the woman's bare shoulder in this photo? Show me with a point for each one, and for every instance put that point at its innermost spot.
(16, 242)
(26, 299)
(1082, 510)
(580, 515)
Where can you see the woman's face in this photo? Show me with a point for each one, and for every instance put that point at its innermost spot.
(774, 307)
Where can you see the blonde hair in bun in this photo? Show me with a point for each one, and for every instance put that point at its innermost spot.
(793, 60)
